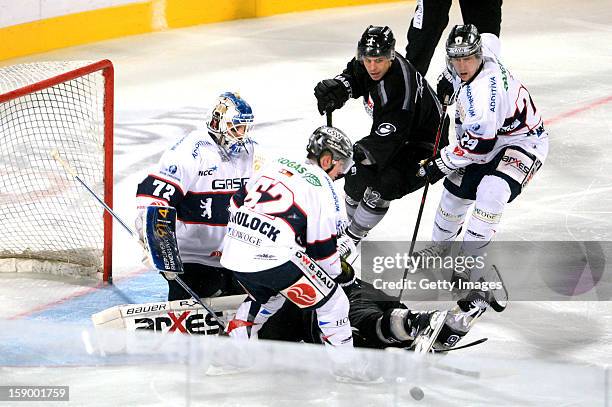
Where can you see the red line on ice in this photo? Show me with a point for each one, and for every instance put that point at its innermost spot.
(79, 293)
(574, 112)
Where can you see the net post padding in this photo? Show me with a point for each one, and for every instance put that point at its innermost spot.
(48, 224)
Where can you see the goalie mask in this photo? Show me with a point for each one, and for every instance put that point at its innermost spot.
(230, 122)
(333, 141)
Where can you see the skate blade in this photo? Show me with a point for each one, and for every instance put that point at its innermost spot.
(425, 341)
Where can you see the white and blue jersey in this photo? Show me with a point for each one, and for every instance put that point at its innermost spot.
(285, 207)
(493, 111)
(198, 178)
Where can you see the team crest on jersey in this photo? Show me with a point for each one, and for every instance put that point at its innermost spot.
(384, 129)
(170, 171)
(312, 179)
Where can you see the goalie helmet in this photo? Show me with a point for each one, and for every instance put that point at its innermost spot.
(332, 140)
(376, 41)
(230, 122)
(463, 41)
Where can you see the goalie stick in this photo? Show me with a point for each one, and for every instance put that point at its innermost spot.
(178, 266)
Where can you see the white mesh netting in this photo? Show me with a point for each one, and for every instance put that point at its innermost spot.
(45, 215)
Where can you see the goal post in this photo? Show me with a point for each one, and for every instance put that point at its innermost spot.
(47, 224)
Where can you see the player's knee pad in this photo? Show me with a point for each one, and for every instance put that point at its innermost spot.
(314, 288)
(373, 200)
(449, 216)
(491, 197)
(368, 214)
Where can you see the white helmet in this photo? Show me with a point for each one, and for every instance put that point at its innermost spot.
(230, 122)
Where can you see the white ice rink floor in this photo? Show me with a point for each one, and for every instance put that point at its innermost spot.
(538, 353)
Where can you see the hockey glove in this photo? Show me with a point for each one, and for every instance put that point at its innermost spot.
(331, 94)
(362, 156)
(346, 248)
(434, 169)
(347, 275)
(445, 88)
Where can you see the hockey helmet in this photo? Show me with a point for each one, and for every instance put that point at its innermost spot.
(332, 140)
(230, 122)
(376, 41)
(463, 41)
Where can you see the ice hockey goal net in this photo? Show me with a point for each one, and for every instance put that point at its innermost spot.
(48, 223)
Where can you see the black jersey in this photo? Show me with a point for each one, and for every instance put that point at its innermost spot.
(403, 107)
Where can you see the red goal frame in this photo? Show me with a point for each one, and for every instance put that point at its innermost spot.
(107, 69)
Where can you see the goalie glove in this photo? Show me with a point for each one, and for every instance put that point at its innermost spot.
(160, 240)
(434, 169)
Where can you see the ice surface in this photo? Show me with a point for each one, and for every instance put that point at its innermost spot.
(538, 353)
(119, 368)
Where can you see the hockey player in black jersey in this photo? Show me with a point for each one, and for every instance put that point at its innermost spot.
(405, 115)
(379, 321)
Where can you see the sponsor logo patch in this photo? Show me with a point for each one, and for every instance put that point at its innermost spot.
(485, 216)
(302, 294)
(384, 129)
(458, 151)
(516, 165)
(208, 171)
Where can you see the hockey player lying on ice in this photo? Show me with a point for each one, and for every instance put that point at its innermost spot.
(378, 320)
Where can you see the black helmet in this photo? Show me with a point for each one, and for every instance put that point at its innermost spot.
(332, 140)
(463, 41)
(376, 41)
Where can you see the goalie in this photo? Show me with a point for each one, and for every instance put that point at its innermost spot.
(198, 175)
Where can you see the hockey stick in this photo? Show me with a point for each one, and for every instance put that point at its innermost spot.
(467, 345)
(425, 189)
(55, 154)
(328, 115)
